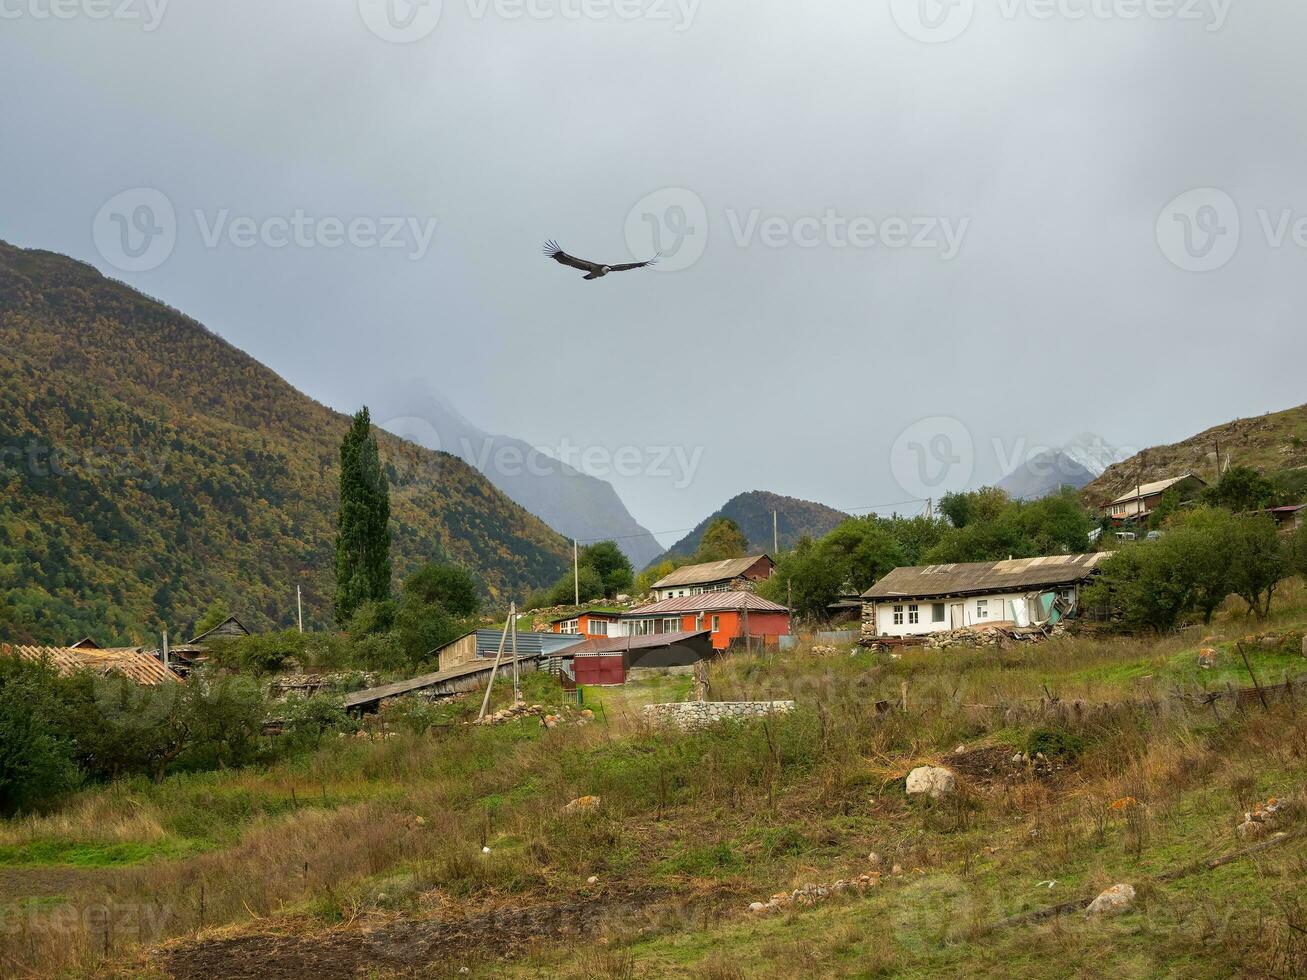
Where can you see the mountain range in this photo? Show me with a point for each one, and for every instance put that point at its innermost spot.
(573, 503)
(1047, 471)
(753, 511)
(149, 467)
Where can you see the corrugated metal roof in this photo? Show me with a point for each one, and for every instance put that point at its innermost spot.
(1149, 489)
(528, 644)
(713, 571)
(140, 667)
(708, 602)
(927, 581)
(616, 644)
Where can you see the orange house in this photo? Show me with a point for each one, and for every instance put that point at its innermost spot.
(592, 624)
(734, 618)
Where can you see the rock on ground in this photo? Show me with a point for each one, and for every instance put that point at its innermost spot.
(1118, 898)
(932, 781)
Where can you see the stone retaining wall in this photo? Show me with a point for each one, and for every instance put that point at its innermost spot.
(696, 714)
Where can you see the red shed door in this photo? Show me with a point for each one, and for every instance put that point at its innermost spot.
(603, 671)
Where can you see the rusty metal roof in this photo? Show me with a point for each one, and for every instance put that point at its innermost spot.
(1156, 487)
(140, 667)
(707, 602)
(1013, 575)
(713, 571)
(617, 644)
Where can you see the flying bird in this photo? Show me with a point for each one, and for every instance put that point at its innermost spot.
(594, 270)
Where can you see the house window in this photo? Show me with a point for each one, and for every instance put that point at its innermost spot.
(717, 624)
(598, 627)
(697, 590)
(569, 627)
(671, 626)
(937, 612)
(914, 614)
(982, 609)
(898, 615)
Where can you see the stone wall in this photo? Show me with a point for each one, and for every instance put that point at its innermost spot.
(696, 714)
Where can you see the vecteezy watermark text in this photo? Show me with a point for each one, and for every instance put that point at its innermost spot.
(148, 13)
(137, 230)
(1202, 229)
(673, 224)
(35, 459)
(409, 21)
(940, 21)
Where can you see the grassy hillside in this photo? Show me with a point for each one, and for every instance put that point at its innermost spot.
(367, 858)
(1273, 443)
(753, 512)
(148, 467)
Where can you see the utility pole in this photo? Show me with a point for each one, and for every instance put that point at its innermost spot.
(517, 679)
(490, 685)
(775, 537)
(576, 573)
(930, 508)
(165, 648)
(299, 605)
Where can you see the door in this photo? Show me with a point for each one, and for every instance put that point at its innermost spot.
(956, 615)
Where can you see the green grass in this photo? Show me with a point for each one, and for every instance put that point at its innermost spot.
(51, 853)
(709, 821)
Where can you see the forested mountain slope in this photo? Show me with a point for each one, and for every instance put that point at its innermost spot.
(148, 467)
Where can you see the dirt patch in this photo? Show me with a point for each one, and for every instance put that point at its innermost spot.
(994, 766)
(407, 947)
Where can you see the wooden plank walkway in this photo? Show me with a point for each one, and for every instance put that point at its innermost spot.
(465, 677)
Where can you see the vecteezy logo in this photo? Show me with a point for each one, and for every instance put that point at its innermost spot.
(401, 21)
(933, 21)
(933, 456)
(671, 223)
(1199, 230)
(136, 230)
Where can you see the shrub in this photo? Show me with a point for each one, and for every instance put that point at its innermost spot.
(1055, 743)
(36, 759)
(306, 719)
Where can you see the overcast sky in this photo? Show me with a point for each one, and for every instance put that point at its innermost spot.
(1043, 280)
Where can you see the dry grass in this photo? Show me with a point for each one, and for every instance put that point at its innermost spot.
(711, 818)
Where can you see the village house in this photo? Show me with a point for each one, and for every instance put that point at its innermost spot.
(928, 599)
(1142, 500)
(589, 624)
(730, 618)
(484, 643)
(731, 575)
(129, 662)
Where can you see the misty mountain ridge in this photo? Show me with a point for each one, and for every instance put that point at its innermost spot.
(571, 502)
(753, 510)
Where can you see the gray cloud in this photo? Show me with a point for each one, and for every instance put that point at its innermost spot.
(796, 367)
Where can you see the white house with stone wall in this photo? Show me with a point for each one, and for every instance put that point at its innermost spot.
(927, 599)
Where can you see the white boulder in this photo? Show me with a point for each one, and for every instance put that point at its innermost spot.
(932, 781)
(1118, 898)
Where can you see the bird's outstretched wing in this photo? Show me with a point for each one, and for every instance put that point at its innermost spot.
(558, 255)
(626, 267)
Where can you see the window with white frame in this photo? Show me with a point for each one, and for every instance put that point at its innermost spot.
(717, 624)
(982, 609)
(898, 615)
(571, 626)
(914, 614)
(671, 626)
(598, 627)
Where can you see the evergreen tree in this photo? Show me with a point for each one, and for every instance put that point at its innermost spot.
(363, 531)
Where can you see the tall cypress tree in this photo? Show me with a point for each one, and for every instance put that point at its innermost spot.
(363, 530)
